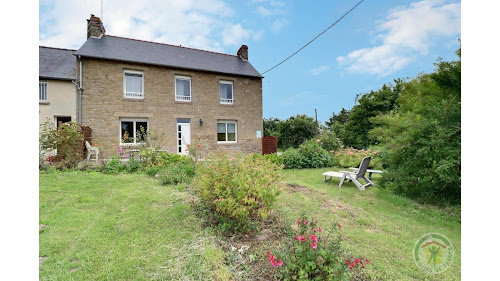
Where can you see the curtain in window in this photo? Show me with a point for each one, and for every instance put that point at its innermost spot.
(182, 87)
(231, 132)
(133, 82)
(226, 91)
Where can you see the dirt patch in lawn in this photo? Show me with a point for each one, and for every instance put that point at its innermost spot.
(341, 208)
(41, 260)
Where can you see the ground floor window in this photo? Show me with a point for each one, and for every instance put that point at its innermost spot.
(133, 131)
(62, 119)
(226, 131)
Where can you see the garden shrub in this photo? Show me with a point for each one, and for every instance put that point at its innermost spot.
(177, 173)
(311, 254)
(309, 155)
(274, 158)
(68, 141)
(351, 157)
(238, 192)
(114, 166)
(293, 159)
(329, 141)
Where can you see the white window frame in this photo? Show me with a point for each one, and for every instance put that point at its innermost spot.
(40, 83)
(134, 120)
(132, 95)
(223, 100)
(182, 98)
(235, 131)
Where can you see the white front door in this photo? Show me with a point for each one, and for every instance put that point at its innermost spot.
(183, 137)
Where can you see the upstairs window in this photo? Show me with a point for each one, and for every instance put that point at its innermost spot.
(182, 88)
(42, 91)
(226, 92)
(133, 84)
(226, 131)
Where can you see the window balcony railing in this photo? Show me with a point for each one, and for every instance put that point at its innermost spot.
(134, 95)
(226, 101)
(182, 98)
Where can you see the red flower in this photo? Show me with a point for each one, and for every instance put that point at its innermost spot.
(313, 238)
(338, 225)
(367, 261)
(319, 229)
(314, 246)
(298, 221)
(280, 263)
(346, 261)
(363, 266)
(304, 222)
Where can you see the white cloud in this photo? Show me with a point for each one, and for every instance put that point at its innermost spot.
(264, 11)
(303, 98)
(274, 12)
(197, 24)
(319, 69)
(405, 34)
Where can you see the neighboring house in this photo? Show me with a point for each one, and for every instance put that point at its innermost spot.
(56, 93)
(182, 94)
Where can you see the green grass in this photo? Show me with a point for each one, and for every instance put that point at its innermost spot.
(121, 227)
(377, 224)
(129, 227)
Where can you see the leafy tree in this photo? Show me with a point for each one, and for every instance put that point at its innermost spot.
(296, 129)
(271, 126)
(342, 117)
(421, 141)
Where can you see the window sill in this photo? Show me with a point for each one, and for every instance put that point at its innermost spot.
(133, 99)
(227, 142)
(227, 104)
(131, 144)
(43, 102)
(183, 101)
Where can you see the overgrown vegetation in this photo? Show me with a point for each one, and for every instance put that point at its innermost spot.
(238, 192)
(421, 141)
(310, 154)
(67, 139)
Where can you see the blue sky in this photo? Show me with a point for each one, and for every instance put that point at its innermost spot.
(378, 42)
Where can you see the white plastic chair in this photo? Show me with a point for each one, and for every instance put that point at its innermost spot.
(92, 151)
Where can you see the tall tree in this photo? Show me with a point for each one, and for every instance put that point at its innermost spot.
(296, 129)
(421, 141)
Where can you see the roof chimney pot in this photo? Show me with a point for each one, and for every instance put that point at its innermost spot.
(243, 52)
(95, 27)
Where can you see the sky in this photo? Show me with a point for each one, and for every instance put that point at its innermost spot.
(376, 43)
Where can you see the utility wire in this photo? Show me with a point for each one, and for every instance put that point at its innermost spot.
(314, 38)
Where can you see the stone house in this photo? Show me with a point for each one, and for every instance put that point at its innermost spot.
(184, 95)
(56, 92)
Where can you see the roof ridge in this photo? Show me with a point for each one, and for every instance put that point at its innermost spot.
(170, 45)
(73, 50)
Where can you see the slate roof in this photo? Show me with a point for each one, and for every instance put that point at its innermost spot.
(132, 50)
(54, 63)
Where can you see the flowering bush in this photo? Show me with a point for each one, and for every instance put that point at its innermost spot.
(67, 139)
(311, 254)
(329, 141)
(351, 157)
(309, 155)
(237, 192)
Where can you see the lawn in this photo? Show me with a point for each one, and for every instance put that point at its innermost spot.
(116, 227)
(121, 227)
(376, 223)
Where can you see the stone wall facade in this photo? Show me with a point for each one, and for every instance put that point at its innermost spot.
(104, 105)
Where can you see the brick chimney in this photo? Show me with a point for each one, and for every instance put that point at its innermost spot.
(243, 52)
(95, 28)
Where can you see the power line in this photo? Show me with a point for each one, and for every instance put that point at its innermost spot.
(314, 38)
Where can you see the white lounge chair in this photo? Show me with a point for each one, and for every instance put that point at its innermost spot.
(352, 176)
(92, 151)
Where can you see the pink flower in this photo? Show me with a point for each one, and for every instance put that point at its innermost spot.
(300, 238)
(319, 229)
(304, 222)
(280, 263)
(346, 261)
(298, 221)
(313, 238)
(314, 246)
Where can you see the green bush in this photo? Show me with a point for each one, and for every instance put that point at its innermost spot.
(67, 139)
(309, 155)
(114, 166)
(293, 159)
(238, 192)
(311, 254)
(329, 141)
(274, 158)
(177, 173)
